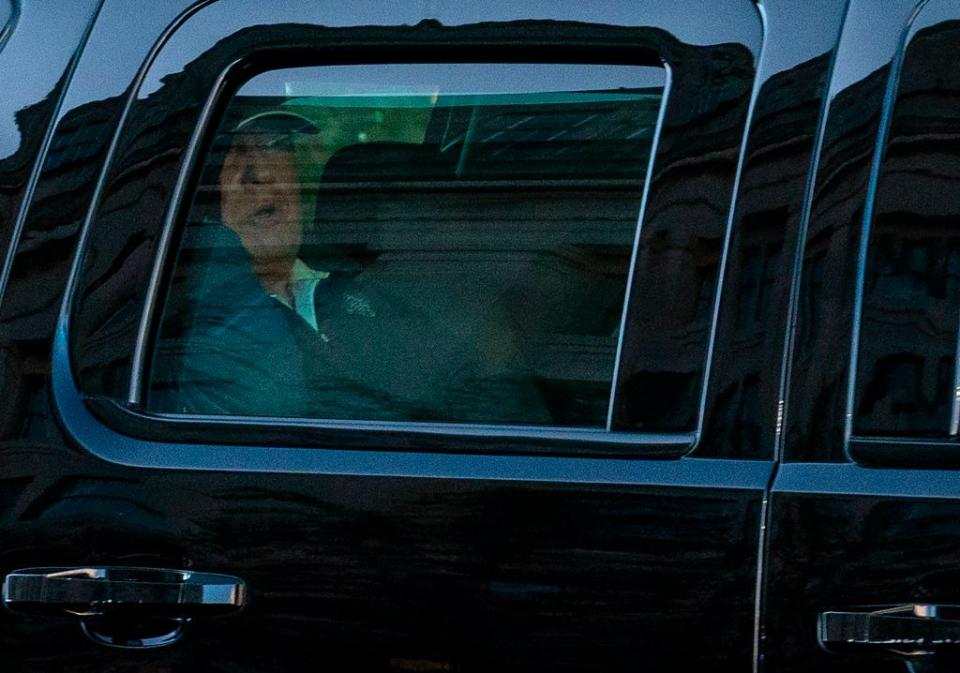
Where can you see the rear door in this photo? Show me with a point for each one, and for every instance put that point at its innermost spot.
(616, 522)
(863, 535)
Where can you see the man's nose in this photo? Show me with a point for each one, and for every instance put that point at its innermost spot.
(259, 173)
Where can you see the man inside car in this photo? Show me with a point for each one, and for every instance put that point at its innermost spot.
(270, 334)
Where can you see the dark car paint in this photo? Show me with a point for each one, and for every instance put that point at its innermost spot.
(844, 534)
(405, 572)
(489, 568)
(407, 560)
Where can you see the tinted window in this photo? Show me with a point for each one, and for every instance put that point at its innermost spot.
(908, 339)
(444, 242)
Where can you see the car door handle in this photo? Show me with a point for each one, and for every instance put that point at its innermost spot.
(907, 629)
(124, 606)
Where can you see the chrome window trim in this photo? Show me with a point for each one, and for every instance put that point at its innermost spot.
(6, 28)
(850, 479)
(105, 443)
(6, 265)
(728, 232)
(647, 181)
(498, 431)
(145, 327)
(852, 440)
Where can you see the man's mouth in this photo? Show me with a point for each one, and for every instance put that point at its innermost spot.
(261, 217)
(265, 211)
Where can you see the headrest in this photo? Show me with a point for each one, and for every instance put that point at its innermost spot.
(389, 162)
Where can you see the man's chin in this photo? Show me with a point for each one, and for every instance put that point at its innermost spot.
(273, 254)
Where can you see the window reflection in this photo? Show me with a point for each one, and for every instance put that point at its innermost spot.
(909, 329)
(450, 246)
(911, 310)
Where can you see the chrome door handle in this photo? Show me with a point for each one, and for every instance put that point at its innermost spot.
(124, 606)
(912, 629)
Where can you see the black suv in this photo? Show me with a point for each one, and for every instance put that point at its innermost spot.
(480, 336)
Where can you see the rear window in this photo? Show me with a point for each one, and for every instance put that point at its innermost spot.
(908, 384)
(411, 242)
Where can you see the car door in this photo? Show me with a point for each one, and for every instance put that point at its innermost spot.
(617, 532)
(863, 544)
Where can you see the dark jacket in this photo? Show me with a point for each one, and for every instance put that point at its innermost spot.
(388, 347)
(226, 346)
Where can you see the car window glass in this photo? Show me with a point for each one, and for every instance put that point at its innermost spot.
(411, 242)
(907, 383)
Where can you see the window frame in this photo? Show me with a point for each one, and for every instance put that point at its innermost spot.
(164, 263)
(7, 25)
(879, 450)
(125, 417)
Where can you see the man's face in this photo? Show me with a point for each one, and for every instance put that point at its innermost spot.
(260, 197)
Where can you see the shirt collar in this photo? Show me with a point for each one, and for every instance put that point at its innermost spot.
(301, 272)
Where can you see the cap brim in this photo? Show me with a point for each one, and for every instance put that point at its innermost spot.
(279, 122)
